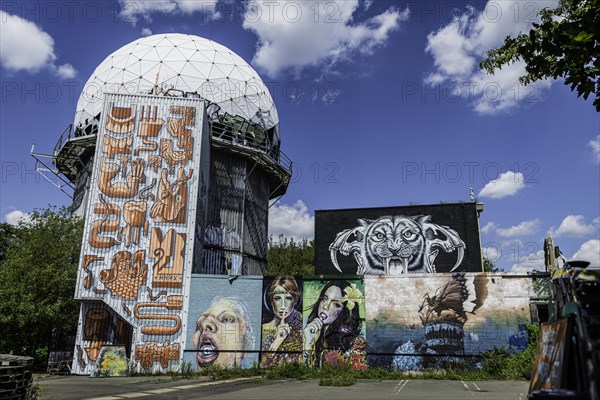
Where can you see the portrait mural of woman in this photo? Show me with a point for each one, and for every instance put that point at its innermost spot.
(282, 321)
(223, 324)
(333, 327)
(223, 333)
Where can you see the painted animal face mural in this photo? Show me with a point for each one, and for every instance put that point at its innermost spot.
(395, 245)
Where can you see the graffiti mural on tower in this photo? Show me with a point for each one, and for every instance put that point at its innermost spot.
(139, 235)
(399, 240)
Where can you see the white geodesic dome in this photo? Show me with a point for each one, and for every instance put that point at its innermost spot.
(176, 64)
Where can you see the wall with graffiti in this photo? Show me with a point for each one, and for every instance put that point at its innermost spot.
(224, 325)
(334, 322)
(398, 240)
(282, 338)
(147, 201)
(416, 321)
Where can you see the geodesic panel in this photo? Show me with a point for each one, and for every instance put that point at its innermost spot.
(174, 64)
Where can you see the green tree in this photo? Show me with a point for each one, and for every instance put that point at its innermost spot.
(37, 282)
(8, 234)
(288, 257)
(489, 266)
(565, 43)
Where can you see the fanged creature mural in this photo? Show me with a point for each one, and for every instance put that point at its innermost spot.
(395, 241)
(395, 245)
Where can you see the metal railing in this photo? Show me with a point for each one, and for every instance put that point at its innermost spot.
(232, 130)
(70, 133)
(253, 139)
(63, 138)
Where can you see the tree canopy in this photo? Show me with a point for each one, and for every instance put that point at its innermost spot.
(37, 280)
(288, 257)
(565, 44)
(489, 266)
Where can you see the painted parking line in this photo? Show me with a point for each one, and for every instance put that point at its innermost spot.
(476, 387)
(468, 388)
(161, 391)
(132, 395)
(146, 393)
(400, 386)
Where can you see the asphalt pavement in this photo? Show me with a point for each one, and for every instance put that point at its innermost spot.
(149, 387)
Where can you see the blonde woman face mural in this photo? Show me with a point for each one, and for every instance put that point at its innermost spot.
(222, 331)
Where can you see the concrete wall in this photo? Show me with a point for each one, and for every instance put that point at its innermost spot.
(444, 317)
(412, 322)
(408, 322)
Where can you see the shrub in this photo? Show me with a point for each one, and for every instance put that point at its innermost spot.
(292, 370)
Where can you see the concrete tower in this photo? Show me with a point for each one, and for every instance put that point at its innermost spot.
(174, 155)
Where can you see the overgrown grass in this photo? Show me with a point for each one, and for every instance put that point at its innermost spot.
(293, 370)
(217, 372)
(497, 364)
(500, 364)
(33, 391)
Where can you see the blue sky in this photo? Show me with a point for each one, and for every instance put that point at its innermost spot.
(380, 103)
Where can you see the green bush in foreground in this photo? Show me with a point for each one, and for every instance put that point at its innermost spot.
(217, 372)
(500, 364)
(497, 364)
(293, 370)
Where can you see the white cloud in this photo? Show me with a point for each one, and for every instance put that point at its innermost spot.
(529, 263)
(24, 46)
(589, 251)
(507, 184)
(594, 144)
(292, 221)
(488, 228)
(458, 47)
(146, 31)
(574, 225)
(299, 34)
(132, 10)
(66, 71)
(523, 229)
(492, 253)
(16, 216)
